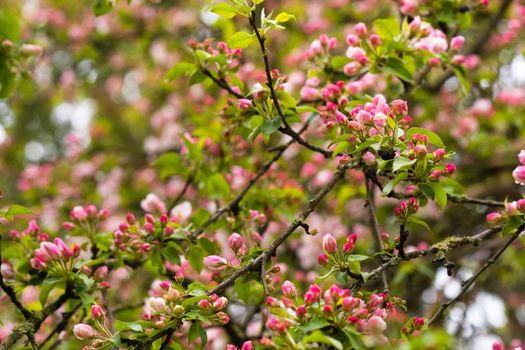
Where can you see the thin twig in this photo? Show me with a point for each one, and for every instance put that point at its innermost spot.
(181, 194)
(376, 228)
(466, 284)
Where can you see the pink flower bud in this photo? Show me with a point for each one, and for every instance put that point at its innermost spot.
(97, 312)
(457, 42)
(494, 218)
(215, 261)
(103, 214)
(420, 151)
(521, 156)
(498, 346)
(352, 40)
(519, 175)
(322, 259)
(130, 218)
(244, 104)
(157, 305)
(149, 228)
(301, 311)
(235, 241)
(83, 331)
(78, 213)
(374, 301)
(288, 289)
(370, 159)
(223, 318)
(329, 243)
(247, 345)
(102, 272)
(351, 68)
(449, 169)
(51, 249)
(360, 29)
(375, 325)
(439, 154)
(68, 225)
(399, 107)
(220, 303)
(38, 263)
(375, 40)
(204, 304)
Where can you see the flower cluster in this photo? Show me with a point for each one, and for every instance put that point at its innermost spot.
(134, 237)
(335, 257)
(85, 218)
(55, 257)
(405, 209)
(99, 334)
(365, 315)
(170, 304)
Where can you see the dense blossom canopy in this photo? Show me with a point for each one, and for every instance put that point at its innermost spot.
(262, 174)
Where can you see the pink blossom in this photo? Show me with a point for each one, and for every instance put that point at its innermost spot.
(519, 175)
(83, 331)
(329, 243)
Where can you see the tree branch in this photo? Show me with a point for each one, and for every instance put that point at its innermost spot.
(466, 284)
(375, 228)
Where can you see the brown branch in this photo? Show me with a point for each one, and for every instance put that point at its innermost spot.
(221, 82)
(270, 251)
(468, 283)
(375, 227)
(181, 194)
(460, 199)
(444, 246)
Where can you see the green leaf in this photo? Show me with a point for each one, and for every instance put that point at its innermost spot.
(101, 7)
(127, 326)
(180, 69)
(414, 220)
(400, 162)
(216, 186)
(356, 257)
(387, 28)
(195, 257)
(395, 66)
(268, 127)
(440, 196)
(197, 77)
(390, 185)
(193, 332)
(170, 164)
(224, 10)
(340, 148)
(240, 40)
(432, 136)
(171, 254)
(284, 17)
(314, 324)
(286, 99)
(511, 224)
(16, 209)
(320, 337)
